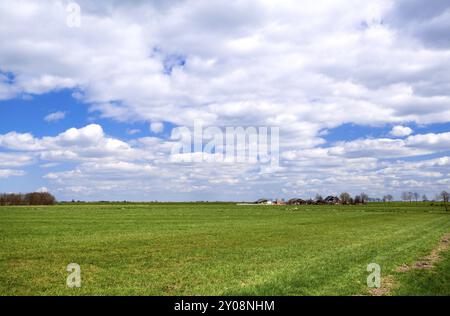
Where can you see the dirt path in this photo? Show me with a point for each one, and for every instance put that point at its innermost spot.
(428, 262)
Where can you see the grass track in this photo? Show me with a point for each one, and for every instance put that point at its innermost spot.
(212, 249)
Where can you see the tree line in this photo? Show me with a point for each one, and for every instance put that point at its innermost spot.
(414, 196)
(346, 198)
(363, 198)
(34, 198)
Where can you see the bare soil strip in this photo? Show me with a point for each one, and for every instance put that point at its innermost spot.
(387, 284)
(428, 262)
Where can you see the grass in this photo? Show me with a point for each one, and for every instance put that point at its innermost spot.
(217, 249)
(433, 282)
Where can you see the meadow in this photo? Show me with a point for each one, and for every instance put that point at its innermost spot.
(220, 249)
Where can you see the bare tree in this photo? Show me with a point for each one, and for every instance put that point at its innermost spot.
(407, 196)
(364, 198)
(345, 198)
(424, 198)
(388, 198)
(416, 196)
(445, 198)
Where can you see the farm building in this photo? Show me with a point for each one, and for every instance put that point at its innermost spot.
(264, 201)
(271, 202)
(296, 202)
(332, 200)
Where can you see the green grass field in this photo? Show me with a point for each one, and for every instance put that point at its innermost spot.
(218, 249)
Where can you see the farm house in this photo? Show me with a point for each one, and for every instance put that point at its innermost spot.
(332, 200)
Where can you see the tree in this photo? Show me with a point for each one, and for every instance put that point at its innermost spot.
(14, 199)
(445, 197)
(35, 198)
(364, 198)
(345, 198)
(416, 196)
(425, 198)
(407, 196)
(357, 199)
(389, 198)
(319, 198)
(404, 196)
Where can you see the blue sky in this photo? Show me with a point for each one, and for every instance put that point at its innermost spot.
(87, 111)
(29, 116)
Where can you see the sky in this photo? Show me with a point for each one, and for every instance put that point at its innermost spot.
(91, 92)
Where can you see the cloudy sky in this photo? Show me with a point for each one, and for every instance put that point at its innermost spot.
(360, 91)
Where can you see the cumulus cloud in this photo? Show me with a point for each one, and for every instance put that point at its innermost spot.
(311, 61)
(111, 166)
(12, 159)
(55, 116)
(87, 143)
(18, 141)
(42, 190)
(435, 141)
(157, 127)
(400, 131)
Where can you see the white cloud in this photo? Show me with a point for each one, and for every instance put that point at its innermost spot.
(377, 148)
(431, 140)
(83, 144)
(12, 159)
(154, 62)
(6, 173)
(133, 131)
(400, 131)
(156, 127)
(18, 141)
(56, 116)
(105, 165)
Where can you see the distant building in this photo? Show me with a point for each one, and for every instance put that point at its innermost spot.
(296, 202)
(271, 202)
(264, 201)
(332, 200)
